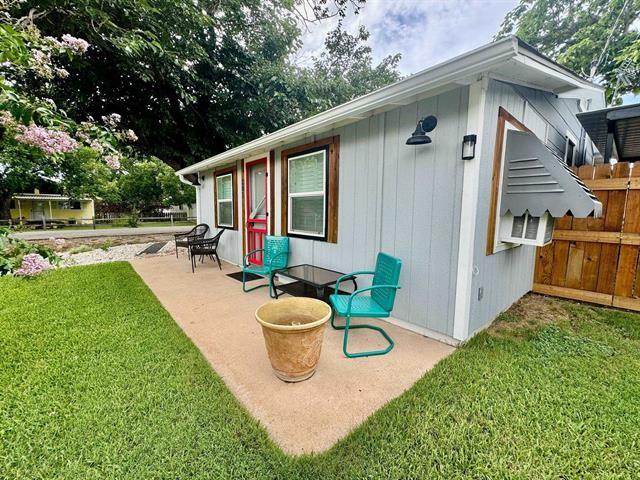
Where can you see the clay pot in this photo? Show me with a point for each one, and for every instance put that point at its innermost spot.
(293, 329)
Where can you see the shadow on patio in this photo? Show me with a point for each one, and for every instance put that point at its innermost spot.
(303, 417)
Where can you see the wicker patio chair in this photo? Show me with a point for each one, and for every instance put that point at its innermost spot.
(196, 233)
(206, 247)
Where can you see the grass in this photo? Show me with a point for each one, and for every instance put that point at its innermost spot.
(97, 381)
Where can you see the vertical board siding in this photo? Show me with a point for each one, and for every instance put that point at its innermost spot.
(507, 275)
(402, 200)
(230, 246)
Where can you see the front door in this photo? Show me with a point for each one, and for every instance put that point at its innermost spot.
(257, 207)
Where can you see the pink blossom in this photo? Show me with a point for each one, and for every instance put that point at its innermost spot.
(49, 141)
(6, 119)
(113, 161)
(129, 135)
(62, 72)
(78, 45)
(32, 264)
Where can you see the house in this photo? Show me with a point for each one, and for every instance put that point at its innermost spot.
(348, 182)
(36, 206)
(615, 132)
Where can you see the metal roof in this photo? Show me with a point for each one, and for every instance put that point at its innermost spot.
(623, 123)
(508, 59)
(46, 196)
(536, 180)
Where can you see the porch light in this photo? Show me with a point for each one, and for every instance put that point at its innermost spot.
(419, 136)
(468, 147)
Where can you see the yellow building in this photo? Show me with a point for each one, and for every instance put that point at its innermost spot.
(34, 207)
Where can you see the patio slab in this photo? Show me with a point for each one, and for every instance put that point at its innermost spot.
(304, 417)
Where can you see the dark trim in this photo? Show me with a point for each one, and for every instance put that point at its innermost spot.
(332, 144)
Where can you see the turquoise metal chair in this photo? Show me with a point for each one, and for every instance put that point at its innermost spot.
(275, 255)
(378, 304)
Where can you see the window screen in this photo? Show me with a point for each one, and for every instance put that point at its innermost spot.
(224, 200)
(307, 193)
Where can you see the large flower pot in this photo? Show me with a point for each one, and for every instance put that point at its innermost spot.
(293, 330)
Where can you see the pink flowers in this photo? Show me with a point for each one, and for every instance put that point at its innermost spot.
(112, 161)
(49, 141)
(77, 45)
(32, 264)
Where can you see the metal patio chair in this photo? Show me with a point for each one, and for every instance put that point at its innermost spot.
(378, 304)
(205, 247)
(196, 233)
(275, 255)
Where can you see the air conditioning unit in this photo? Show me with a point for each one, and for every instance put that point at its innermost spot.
(526, 229)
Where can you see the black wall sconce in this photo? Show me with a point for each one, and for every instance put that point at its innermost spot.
(469, 147)
(419, 136)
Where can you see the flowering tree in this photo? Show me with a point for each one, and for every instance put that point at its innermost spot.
(39, 143)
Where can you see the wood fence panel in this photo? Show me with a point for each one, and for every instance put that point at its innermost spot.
(597, 259)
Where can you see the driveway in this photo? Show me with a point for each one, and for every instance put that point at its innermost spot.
(102, 232)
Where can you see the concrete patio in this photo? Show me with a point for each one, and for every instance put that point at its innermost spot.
(305, 417)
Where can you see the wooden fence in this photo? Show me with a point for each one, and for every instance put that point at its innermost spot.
(596, 259)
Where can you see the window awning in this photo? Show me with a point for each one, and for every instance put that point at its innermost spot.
(536, 180)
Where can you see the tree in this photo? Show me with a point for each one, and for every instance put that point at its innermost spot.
(39, 143)
(196, 78)
(150, 183)
(595, 38)
(345, 69)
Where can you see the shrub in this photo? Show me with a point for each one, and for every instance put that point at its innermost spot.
(16, 254)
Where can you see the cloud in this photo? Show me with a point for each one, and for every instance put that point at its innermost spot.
(424, 32)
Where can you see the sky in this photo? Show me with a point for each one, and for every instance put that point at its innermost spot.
(425, 32)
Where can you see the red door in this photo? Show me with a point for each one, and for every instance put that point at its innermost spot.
(257, 206)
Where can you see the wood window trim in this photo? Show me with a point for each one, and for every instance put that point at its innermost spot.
(503, 118)
(333, 144)
(234, 185)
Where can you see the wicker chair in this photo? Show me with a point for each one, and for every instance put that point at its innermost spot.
(196, 233)
(205, 247)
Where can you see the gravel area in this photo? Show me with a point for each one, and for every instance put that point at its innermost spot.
(112, 254)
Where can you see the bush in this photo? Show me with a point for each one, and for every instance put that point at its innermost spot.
(13, 250)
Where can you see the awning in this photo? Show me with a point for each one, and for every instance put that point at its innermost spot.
(614, 131)
(536, 180)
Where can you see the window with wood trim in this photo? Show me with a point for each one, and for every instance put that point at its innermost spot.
(505, 121)
(224, 186)
(310, 190)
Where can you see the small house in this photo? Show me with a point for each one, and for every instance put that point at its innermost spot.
(37, 207)
(459, 170)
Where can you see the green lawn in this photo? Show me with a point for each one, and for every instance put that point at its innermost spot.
(97, 381)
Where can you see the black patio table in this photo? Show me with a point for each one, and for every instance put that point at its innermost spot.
(310, 281)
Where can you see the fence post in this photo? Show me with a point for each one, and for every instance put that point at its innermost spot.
(93, 222)
(44, 223)
(172, 219)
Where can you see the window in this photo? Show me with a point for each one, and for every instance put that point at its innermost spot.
(72, 205)
(307, 193)
(224, 193)
(570, 150)
(310, 190)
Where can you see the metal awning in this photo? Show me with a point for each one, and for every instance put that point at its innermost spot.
(43, 197)
(536, 180)
(615, 131)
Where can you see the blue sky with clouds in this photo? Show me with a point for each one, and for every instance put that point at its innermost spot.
(425, 32)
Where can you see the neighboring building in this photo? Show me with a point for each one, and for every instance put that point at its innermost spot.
(615, 132)
(33, 207)
(346, 183)
(188, 211)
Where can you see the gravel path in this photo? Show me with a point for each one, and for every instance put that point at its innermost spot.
(112, 254)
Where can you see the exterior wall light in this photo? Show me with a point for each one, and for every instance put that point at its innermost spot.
(419, 136)
(469, 147)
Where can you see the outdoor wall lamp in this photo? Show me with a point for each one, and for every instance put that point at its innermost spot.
(419, 136)
(469, 147)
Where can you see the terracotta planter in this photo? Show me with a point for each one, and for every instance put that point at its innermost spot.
(293, 330)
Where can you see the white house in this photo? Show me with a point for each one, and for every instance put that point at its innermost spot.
(346, 183)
